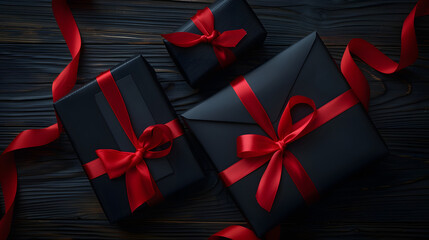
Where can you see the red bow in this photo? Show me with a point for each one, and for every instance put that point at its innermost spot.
(255, 150)
(204, 20)
(140, 185)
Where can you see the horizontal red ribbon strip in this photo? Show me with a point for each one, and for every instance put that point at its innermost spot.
(141, 188)
(221, 42)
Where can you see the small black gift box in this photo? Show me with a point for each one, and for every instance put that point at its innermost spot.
(199, 61)
(328, 153)
(91, 124)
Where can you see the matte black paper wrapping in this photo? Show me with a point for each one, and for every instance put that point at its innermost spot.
(328, 154)
(198, 62)
(91, 124)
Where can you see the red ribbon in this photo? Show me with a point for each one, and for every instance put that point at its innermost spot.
(376, 59)
(221, 42)
(39, 137)
(140, 185)
(256, 150)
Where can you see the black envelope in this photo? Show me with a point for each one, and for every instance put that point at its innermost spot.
(328, 154)
(91, 124)
(198, 62)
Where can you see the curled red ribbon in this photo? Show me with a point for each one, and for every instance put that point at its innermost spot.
(140, 185)
(376, 59)
(221, 42)
(39, 137)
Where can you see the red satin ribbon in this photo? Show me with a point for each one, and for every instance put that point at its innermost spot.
(221, 42)
(39, 137)
(256, 150)
(357, 81)
(140, 185)
(376, 59)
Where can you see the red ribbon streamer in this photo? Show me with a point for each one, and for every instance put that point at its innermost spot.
(256, 150)
(39, 137)
(140, 185)
(375, 59)
(221, 42)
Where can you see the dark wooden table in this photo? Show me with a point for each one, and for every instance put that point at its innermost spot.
(388, 200)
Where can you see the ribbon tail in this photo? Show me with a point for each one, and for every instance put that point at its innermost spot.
(183, 39)
(224, 56)
(139, 185)
(300, 178)
(270, 181)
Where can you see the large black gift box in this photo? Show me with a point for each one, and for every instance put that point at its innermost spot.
(328, 154)
(199, 62)
(91, 124)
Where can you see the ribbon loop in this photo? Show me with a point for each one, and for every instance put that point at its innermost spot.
(204, 21)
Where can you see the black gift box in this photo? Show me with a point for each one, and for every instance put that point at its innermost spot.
(328, 154)
(91, 124)
(198, 62)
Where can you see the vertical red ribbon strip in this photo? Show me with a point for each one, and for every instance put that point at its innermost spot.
(63, 84)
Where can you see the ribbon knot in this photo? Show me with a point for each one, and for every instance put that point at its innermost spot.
(281, 144)
(212, 36)
(137, 158)
(221, 42)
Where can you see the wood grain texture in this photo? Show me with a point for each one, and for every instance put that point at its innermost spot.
(389, 200)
